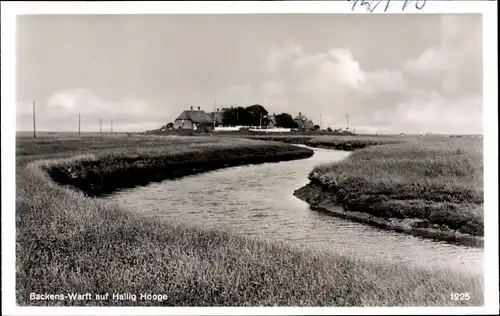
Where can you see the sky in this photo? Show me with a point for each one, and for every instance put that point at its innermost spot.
(397, 73)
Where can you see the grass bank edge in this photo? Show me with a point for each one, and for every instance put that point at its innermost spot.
(344, 143)
(312, 191)
(103, 174)
(433, 189)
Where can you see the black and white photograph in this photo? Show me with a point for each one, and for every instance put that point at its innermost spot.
(251, 159)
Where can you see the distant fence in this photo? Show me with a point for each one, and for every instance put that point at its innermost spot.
(227, 128)
(271, 130)
(251, 128)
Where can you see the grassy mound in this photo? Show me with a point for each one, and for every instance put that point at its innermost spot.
(347, 143)
(440, 183)
(108, 172)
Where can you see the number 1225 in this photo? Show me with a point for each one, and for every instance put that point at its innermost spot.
(460, 296)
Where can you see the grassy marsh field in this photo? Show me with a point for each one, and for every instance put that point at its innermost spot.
(347, 143)
(103, 173)
(69, 242)
(421, 184)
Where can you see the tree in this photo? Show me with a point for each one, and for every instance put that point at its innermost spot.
(255, 113)
(228, 117)
(316, 127)
(329, 129)
(285, 120)
(170, 125)
(236, 116)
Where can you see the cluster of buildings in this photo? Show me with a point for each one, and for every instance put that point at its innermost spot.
(194, 119)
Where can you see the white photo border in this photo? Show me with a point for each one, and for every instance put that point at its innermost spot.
(9, 10)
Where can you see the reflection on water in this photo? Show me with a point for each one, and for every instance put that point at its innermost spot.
(258, 201)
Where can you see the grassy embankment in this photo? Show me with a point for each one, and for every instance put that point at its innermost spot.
(104, 173)
(347, 143)
(431, 188)
(67, 242)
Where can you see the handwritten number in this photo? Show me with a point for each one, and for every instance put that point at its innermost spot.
(422, 6)
(405, 4)
(371, 5)
(354, 4)
(375, 5)
(416, 4)
(387, 5)
(366, 4)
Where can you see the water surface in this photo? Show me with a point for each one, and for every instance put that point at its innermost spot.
(258, 201)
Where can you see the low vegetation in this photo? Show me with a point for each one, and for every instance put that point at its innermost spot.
(437, 184)
(347, 143)
(104, 173)
(68, 242)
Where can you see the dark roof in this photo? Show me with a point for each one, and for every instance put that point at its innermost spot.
(300, 117)
(218, 117)
(196, 116)
(307, 124)
(304, 122)
(271, 118)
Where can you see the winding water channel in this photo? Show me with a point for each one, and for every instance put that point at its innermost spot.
(258, 201)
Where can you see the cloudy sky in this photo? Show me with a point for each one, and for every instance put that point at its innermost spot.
(390, 73)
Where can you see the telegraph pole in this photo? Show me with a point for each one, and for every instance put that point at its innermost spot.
(34, 124)
(320, 121)
(215, 111)
(347, 117)
(100, 125)
(78, 124)
(111, 126)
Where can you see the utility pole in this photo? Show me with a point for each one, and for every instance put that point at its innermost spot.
(34, 124)
(320, 121)
(260, 122)
(347, 117)
(100, 125)
(79, 124)
(111, 126)
(215, 111)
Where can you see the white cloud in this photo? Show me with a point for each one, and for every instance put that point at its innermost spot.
(86, 102)
(431, 62)
(438, 91)
(279, 56)
(436, 113)
(383, 81)
(64, 106)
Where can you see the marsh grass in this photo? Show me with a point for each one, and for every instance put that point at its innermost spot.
(67, 242)
(439, 182)
(346, 143)
(109, 171)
